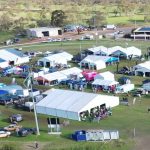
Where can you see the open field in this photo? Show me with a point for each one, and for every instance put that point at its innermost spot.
(124, 118)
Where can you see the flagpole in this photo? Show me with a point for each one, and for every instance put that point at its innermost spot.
(35, 115)
(29, 84)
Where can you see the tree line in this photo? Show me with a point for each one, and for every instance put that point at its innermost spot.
(19, 14)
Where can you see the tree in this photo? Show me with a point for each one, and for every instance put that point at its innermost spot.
(97, 19)
(5, 22)
(58, 17)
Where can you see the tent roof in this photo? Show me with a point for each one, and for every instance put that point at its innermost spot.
(54, 76)
(97, 49)
(95, 59)
(3, 92)
(12, 53)
(72, 101)
(106, 74)
(143, 65)
(40, 29)
(12, 87)
(70, 71)
(104, 82)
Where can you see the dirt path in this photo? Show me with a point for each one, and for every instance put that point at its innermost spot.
(31, 145)
(142, 143)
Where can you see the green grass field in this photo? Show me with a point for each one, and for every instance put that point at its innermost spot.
(124, 118)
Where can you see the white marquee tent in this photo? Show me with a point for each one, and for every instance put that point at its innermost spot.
(142, 69)
(54, 59)
(69, 104)
(13, 56)
(93, 62)
(71, 71)
(104, 82)
(105, 76)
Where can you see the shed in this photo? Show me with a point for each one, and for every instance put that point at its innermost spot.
(105, 76)
(92, 62)
(43, 32)
(69, 104)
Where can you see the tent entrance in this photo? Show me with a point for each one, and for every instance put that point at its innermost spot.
(45, 33)
(59, 32)
(47, 64)
(11, 63)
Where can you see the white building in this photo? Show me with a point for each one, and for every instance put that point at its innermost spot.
(43, 32)
(13, 57)
(69, 104)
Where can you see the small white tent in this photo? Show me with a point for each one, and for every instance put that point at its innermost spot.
(146, 86)
(13, 56)
(71, 71)
(92, 62)
(105, 83)
(69, 104)
(53, 59)
(105, 76)
(143, 69)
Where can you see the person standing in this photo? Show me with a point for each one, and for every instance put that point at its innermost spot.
(36, 145)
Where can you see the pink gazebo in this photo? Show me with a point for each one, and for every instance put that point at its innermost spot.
(89, 75)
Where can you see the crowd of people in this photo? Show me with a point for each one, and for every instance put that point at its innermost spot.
(97, 114)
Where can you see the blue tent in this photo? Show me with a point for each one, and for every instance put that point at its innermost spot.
(3, 92)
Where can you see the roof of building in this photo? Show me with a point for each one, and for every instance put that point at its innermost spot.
(143, 29)
(40, 29)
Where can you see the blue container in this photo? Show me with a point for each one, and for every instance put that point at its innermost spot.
(79, 135)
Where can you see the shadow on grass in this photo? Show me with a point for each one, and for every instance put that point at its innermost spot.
(137, 21)
(67, 136)
(6, 120)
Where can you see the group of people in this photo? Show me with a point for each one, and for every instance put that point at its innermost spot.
(97, 113)
(99, 88)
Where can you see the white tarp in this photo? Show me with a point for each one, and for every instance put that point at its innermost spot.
(69, 104)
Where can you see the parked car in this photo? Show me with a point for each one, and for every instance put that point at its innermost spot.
(26, 131)
(4, 134)
(16, 117)
(12, 127)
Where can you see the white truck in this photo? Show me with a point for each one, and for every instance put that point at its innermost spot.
(109, 27)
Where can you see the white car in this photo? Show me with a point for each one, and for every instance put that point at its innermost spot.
(4, 134)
